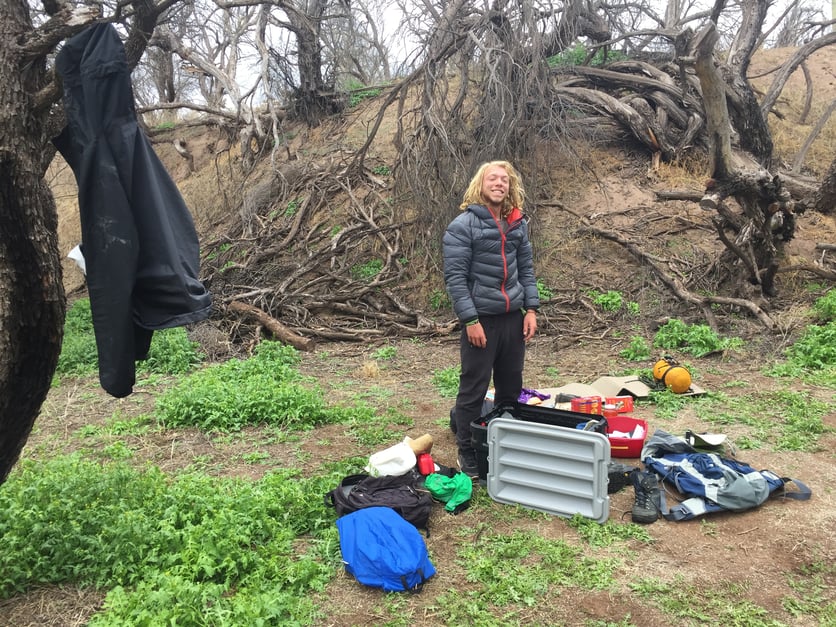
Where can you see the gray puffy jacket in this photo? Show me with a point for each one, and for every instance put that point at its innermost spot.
(488, 271)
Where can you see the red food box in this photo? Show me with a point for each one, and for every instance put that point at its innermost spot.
(621, 446)
(587, 405)
(623, 404)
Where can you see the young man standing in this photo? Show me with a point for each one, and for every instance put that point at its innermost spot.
(489, 275)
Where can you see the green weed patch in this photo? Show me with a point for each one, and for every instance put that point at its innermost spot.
(446, 381)
(725, 604)
(695, 339)
(518, 569)
(194, 549)
(264, 389)
(786, 420)
(171, 352)
(608, 533)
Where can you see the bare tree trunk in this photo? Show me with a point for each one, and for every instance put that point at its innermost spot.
(32, 300)
(825, 198)
(767, 209)
(717, 116)
(313, 99)
(744, 112)
(808, 94)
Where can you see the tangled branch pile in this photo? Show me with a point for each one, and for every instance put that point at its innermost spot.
(323, 255)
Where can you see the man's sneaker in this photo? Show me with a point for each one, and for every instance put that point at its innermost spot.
(648, 502)
(468, 464)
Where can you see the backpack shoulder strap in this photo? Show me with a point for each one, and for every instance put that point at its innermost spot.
(803, 493)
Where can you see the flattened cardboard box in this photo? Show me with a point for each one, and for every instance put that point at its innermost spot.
(612, 386)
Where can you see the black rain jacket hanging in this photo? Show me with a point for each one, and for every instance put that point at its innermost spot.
(138, 238)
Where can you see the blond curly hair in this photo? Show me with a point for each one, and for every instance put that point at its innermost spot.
(516, 192)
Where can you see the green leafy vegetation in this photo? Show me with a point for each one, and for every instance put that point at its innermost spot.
(439, 299)
(666, 404)
(613, 301)
(816, 349)
(367, 271)
(382, 170)
(786, 420)
(292, 207)
(608, 533)
(189, 550)
(264, 389)
(357, 96)
(385, 353)
(446, 381)
(813, 356)
(696, 339)
(544, 293)
(579, 54)
(825, 307)
(78, 350)
(220, 250)
(720, 605)
(171, 352)
(637, 350)
(610, 300)
(116, 425)
(517, 570)
(809, 598)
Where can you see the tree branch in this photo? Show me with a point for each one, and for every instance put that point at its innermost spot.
(274, 326)
(66, 23)
(789, 67)
(714, 96)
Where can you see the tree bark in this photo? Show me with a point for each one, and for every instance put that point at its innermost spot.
(714, 95)
(744, 111)
(825, 198)
(32, 303)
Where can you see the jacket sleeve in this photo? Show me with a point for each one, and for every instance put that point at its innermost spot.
(458, 257)
(525, 271)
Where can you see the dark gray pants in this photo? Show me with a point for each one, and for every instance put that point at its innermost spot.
(504, 357)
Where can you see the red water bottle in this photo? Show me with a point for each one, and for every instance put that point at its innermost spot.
(426, 465)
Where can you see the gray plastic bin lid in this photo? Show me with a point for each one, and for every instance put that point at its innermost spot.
(552, 469)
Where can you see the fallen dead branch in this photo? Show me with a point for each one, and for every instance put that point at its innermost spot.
(275, 327)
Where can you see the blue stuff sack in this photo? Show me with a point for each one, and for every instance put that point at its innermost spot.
(382, 550)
